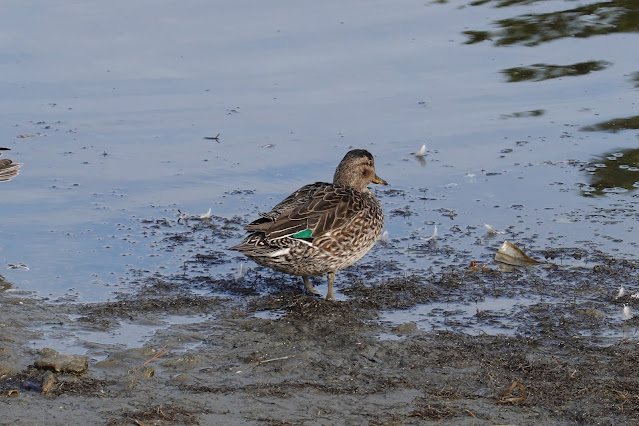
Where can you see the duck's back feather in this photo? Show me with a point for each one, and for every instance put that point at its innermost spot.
(320, 207)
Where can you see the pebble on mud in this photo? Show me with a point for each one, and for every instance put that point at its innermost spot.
(409, 327)
(138, 374)
(61, 363)
(590, 312)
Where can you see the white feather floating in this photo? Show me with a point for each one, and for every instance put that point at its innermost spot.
(241, 272)
(433, 236)
(18, 266)
(182, 215)
(492, 231)
(419, 155)
(626, 314)
(384, 238)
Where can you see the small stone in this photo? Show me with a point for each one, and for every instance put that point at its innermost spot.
(61, 363)
(409, 327)
(146, 373)
(185, 361)
(142, 373)
(590, 312)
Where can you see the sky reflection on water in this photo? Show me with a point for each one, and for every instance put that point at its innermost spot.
(118, 119)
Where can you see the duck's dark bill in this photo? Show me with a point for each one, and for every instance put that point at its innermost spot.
(378, 180)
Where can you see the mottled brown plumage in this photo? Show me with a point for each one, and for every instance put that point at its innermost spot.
(322, 227)
(8, 169)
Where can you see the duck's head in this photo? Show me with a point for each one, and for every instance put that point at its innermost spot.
(357, 170)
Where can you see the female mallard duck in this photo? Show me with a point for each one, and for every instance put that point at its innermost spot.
(322, 227)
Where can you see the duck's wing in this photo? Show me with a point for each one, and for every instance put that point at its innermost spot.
(8, 169)
(310, 212)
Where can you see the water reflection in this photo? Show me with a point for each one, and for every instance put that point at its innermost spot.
(614, 172)
(524, 114)
(540, 72)
(8, 169)
(614, 125)
(616, 16)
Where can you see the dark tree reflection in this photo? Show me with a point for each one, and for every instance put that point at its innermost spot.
(539, 72)
(616, 16)
(613, 172)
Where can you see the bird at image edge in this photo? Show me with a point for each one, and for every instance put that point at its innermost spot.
(322, 227)
(8, 169)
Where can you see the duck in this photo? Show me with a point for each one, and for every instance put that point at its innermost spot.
(322, 227)
(8, 169)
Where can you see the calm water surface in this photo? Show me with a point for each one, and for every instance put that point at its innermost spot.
(528, 111)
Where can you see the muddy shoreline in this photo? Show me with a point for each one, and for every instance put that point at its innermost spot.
(272, 355)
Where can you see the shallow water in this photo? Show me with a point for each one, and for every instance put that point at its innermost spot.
(111, 127)
(99, 343)
(460, 316)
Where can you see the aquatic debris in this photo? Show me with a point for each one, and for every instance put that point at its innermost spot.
(505, 399)
(28, 135)
(384, 238)
(47, 382)
(433, 236)
(17, 266)
(419, 155)
(241, 272)
(476, 267)
(186, 217)
(160, 353)
(621, 292)
(626, 314)
(421, 152)
(213, 138)
(510, 254)
(490, 231)
(183, 216)
(268, 145)
(564, 220)
(279, 358)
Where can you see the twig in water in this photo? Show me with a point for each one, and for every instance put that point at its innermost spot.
(275, 359)
(162, 351)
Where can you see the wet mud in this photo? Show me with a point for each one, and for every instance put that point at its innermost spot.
(257, 350)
